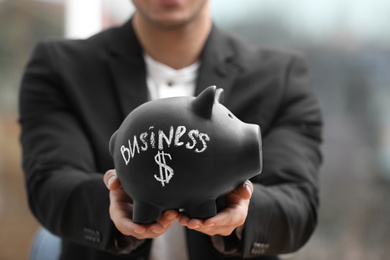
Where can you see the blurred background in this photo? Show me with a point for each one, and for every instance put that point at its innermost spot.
(347, 45)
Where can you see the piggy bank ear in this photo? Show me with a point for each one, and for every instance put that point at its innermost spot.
(203, 103)
(219, 96)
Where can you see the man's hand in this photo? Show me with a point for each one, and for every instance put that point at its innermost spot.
(121, 208)
(233, 216)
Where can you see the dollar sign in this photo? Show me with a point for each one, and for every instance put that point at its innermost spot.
(166, 172)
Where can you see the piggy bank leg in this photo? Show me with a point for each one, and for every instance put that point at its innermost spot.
(145, 213)
(203, 210)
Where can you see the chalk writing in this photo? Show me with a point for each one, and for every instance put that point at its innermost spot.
(166, 172)
(153, 138)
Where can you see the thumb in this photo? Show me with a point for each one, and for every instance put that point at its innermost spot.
(111, 180)
(245, 190)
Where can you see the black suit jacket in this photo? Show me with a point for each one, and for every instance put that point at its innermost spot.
(75, 94)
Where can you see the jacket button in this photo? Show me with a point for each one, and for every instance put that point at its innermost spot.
(259, 248)
(92, 235)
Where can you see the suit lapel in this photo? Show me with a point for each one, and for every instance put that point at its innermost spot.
(128, 68)
(218, 64)
(130, 84)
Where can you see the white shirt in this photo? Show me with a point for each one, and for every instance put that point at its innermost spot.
(164, 81)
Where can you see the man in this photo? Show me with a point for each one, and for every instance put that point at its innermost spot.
(75, 94)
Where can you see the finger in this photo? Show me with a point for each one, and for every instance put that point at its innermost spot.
(224, 224)
(168, 217)
(156, 228)
(125, 225)
(129, 228)
(183, 220)
(245, 190)
(194, 223)
(111, 180)
(249, 186)
(121, 216)
(120, 211)
(166, 221)
(221, 219)
(212, 222)
(235, 215)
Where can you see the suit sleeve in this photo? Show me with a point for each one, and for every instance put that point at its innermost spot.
(283, 210)
(65, 192)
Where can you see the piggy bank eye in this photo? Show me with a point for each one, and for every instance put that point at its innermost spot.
(230, 115)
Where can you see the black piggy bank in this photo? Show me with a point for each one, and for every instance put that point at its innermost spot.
(183, 153)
